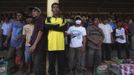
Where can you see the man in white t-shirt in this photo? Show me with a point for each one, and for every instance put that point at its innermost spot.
(77, 45)
(108, 39)
(121, 40)
(6, 27)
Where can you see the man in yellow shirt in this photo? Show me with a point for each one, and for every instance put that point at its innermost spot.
(56, 44)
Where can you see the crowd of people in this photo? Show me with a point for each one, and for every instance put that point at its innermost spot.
(75, 43)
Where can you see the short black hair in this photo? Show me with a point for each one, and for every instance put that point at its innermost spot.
(55, 4)
(19, 12)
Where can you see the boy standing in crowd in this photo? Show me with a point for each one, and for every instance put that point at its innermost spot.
(27, 33)
(94, 41)
(131, 30)
(37, 42)
(77, 46)
(108, 40)
(121, 40)
(16, 41)
(56, 27)
(6, 26)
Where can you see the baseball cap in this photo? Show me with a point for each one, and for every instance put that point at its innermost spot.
(36, 9)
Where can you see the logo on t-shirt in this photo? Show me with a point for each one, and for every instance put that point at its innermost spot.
(76, 34)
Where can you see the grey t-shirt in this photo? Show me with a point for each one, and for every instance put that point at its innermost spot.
(96, 34)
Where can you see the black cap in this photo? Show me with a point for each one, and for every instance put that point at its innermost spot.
(78, 18)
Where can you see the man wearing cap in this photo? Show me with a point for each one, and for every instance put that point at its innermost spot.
(38, 44)
(56, 45)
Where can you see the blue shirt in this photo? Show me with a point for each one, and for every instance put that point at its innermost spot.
(17, 27)
(113, 25)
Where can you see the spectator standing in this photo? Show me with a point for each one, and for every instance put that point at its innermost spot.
(77, 46)
(38, 43)
(27, 33)
(95, 38)
(121, 40)
(6, 26)
(15, 49)
(131, 31)
(56, 26)
(108, 40)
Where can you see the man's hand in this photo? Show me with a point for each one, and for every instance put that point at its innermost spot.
(5, 43)
(32, 48)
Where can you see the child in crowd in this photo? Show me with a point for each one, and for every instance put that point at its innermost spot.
(27, 32)
(121, 40)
